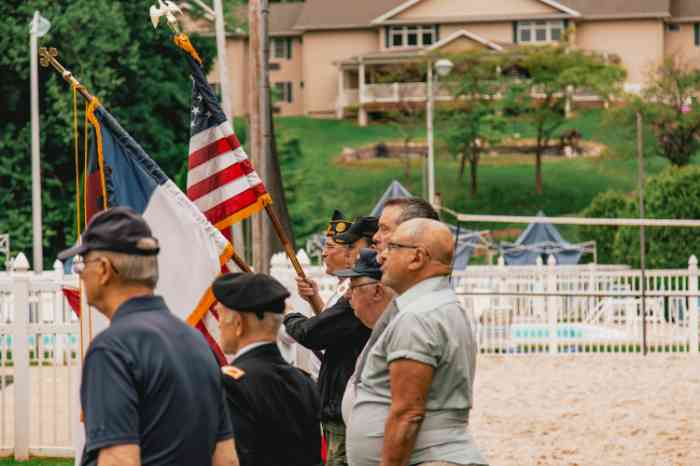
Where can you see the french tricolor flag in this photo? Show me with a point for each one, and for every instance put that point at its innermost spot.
(193, 251)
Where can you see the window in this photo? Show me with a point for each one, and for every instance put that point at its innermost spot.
(282, 48)
(539, 31)
(673, 27)
(284, 91)
(696, 30)
(411, 36)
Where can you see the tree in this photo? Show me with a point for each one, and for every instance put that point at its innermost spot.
(546, 78)
(669, 103)
(477, 121)
(136, 72)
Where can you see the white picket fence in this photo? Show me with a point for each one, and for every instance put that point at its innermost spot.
(516, 311)
(565, 309)
(39, 363)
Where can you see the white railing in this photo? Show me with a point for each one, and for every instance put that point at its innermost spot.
(582, 309)
(39, 363)
(417, 92)
(561, 309)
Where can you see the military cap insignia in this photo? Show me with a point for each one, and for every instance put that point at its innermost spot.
(233, 372)
(337, 224)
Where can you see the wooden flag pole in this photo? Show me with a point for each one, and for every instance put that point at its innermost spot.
(316, 302)
(48, 57)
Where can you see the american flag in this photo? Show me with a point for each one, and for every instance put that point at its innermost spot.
(221, 181)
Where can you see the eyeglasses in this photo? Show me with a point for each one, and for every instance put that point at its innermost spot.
(79, 264)
(393, 246)
(352, 288)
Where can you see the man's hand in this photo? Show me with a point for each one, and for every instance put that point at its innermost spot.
(120, 455)
(307, 289)
(225, 454)
(410, 383)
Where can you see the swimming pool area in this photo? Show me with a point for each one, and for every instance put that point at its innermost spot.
(46, 341)
(534, 332)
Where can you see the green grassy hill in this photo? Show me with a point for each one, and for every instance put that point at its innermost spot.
(506, 184)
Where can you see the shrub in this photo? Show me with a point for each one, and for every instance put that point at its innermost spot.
(673, 194)
(610, 204)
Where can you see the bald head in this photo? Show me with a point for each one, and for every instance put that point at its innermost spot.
(434, 236)
(419, 249)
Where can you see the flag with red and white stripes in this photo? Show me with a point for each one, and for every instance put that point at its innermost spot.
(221, 181)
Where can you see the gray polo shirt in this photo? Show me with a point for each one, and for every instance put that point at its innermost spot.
(432, 328)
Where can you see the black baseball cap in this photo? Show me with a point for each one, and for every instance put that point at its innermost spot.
(362, 227)
(366, 266)
(117, 229)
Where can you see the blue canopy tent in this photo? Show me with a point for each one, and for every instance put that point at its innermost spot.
(543, 240)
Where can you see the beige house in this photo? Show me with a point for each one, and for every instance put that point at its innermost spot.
(324, 52)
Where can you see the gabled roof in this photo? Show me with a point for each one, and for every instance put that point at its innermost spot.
(360, 14)
(685, 9)
(342, 14)
(283, 17)
(621, 9)
(409, 3)
(469, 35)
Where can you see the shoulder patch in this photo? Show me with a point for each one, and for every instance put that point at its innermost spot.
(233, 372)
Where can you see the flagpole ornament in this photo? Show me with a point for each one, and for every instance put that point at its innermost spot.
(47, 56)
(169, 10)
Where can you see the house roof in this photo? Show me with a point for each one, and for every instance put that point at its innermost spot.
(283, 18)
(409, 3)
(293, 18)
(341, 14)
(620, 9)
(685, 9)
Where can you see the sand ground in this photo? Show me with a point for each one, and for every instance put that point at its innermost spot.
(588, 410)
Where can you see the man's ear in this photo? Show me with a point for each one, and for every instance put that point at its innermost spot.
(105, 271)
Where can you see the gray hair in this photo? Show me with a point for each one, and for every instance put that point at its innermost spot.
(416, 207)
(142, 270)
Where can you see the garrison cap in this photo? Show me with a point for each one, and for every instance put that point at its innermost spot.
(250, 292)
(117, 229)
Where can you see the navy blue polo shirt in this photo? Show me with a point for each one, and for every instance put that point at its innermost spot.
(150, 379)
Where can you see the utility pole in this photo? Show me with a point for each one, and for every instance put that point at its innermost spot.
(255, 54)
(226, 101)
(39, 27)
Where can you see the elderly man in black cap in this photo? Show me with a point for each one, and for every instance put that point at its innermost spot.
(274, 406)
(336, 330)
(151, 387)
(369, 298)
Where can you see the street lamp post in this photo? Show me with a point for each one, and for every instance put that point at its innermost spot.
(443, 68)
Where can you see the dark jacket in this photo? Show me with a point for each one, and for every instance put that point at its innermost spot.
(342, 336)
(274, 410)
